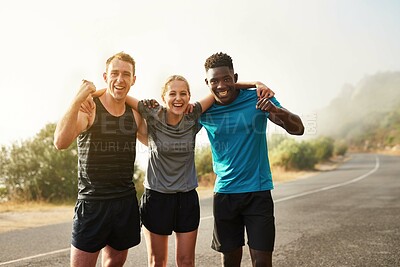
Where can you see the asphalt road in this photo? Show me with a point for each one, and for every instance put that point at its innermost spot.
(346, 217)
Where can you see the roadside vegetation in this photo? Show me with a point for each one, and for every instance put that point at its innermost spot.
(364, 117)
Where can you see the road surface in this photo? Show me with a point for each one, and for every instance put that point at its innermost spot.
(346, 217)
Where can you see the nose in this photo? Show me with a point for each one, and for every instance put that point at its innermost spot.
(119, 78)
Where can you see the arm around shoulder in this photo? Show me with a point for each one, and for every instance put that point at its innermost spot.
(206, 102)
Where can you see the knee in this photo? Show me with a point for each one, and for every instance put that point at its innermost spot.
(261, 258)
(114, 261)
(185, 261)
(157, 262)
(233, 258)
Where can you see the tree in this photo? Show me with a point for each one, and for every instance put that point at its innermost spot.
(35, 170)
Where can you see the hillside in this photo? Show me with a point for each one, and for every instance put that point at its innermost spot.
(367, 114)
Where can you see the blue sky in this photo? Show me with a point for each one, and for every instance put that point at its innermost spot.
(304, 50)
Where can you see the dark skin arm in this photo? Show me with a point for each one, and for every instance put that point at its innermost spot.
(282, 117)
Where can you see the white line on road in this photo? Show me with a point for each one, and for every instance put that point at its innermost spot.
(333, 186)
(35, 256)
(210, 217)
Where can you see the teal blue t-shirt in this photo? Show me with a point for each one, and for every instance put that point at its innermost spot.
(237, 134)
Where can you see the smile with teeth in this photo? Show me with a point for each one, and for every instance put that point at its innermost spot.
(118, 87)
(223, 93)
(178, 105)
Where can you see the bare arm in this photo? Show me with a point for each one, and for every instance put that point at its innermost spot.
(262, 89)
(142, 128)
(206, 102)
(132, 102)
(74, 121)
(282, 117)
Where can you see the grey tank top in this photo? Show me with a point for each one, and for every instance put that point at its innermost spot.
(171, 166)
(106, 156)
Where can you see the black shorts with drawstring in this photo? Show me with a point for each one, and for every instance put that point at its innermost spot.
(163, 213)
(98, 223)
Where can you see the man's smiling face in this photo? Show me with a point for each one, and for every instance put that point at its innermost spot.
(221, 81)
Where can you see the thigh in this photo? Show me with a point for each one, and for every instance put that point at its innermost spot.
(187, 217)
(228, 233)
(80, 258)
(185, 248)
(260, 221)
(157, 248)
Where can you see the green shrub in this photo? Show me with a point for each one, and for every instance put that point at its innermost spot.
(340, 148)
(292, 155)
(323, 148)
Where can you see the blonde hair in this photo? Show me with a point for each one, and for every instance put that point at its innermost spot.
(172, 78)
(124, 57)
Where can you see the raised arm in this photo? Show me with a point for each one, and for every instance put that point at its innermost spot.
(74, 121)
(262, 89)
(282, 117)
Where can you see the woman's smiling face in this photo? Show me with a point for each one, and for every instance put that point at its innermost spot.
(176, 97)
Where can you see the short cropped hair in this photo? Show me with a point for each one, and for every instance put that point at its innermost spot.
(124, 57)
(218, 60)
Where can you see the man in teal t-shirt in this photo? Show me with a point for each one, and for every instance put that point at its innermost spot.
(237, 133)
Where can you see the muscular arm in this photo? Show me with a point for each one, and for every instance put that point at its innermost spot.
(262, 89)
(74, 121)
(282, 117)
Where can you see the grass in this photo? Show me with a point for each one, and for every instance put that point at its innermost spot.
(15, 206)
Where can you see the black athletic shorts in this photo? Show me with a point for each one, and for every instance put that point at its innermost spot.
(235, 212)
(163, 213)
(98, 223)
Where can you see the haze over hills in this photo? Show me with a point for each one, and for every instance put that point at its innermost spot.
(367, 112)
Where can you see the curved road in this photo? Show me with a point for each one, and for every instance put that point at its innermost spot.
(346, 217)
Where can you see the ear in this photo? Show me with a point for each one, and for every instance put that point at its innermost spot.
(105, 76)
(236, 77)
(133, 80)
(206, 81)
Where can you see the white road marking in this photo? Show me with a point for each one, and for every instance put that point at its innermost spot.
(35, 256)
(359, 178)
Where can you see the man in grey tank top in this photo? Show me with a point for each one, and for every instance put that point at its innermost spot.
(106, 213)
